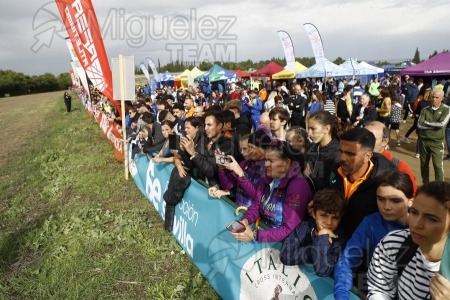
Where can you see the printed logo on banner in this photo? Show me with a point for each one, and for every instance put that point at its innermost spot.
(263, 276)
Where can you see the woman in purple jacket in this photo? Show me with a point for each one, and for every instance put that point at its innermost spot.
(280, 197)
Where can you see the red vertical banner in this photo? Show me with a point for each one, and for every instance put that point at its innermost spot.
(82, 26)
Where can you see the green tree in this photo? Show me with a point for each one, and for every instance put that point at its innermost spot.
(433, 54)
(64, 81)
(416, 58)
(339, 60)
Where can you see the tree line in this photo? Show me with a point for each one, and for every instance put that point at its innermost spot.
(15, 83)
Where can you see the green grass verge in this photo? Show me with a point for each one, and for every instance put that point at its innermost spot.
(71, 227)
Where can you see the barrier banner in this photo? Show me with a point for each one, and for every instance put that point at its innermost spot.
(110, 130)
(235, 269)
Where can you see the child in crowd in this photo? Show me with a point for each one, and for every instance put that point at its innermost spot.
(394, 193)
(319, 240)
(406, 262)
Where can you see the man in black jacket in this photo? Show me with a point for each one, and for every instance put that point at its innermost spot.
(355, 175)
(297, 104)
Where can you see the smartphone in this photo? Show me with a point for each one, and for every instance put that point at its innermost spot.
(183, 133)
(236, 226)
(174, 142)
(222, 160)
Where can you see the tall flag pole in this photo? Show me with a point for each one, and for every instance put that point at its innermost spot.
(316, 44)
(81, 24)
(288, 48)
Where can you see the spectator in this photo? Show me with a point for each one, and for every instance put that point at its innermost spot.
(355, 175)
(413, 274)
(432, 124)
(68, 101)
(250, 169)
(180, 177)
(319, 240)
(280, 197)
(243, 124)
(165, 154)
(279, 118)
(323, 154)
(255, 106)
(381, 133)
(298, 104)
(363, 112)
(394, 195)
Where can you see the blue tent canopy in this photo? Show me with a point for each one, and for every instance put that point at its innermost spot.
(216, 73)
(326, 70)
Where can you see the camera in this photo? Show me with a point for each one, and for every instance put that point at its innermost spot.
(222, 159)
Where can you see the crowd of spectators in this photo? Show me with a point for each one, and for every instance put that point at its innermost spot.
(311, 168)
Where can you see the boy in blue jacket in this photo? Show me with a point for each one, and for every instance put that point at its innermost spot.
(319, 240)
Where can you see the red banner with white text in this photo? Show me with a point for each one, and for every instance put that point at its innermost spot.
(82, 27)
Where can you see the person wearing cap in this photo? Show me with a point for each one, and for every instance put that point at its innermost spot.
(250, 169)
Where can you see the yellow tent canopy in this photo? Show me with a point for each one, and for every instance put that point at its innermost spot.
(183, 75)
(286, 74)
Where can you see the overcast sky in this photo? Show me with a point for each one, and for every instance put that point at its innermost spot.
(31, 33)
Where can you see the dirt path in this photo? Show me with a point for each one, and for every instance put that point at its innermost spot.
(20, 118)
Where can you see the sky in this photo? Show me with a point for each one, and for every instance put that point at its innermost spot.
(32, 34)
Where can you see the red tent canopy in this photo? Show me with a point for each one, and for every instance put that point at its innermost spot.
(241, 73)
(438, 65)
(268, 70)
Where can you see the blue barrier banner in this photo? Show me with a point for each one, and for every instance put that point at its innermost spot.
(235, 269)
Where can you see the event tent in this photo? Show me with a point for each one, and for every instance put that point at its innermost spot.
(327, 70)
(216, 73)
(268, 70)
(195, 72)
(241, 74)
(167, 79)
(438, 65)
(357, 68)
(369, 66)
(181, 79)
(286, 74)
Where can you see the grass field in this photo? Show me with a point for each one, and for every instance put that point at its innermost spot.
(71, 227)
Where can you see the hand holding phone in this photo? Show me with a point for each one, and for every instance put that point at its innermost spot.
(236, 226)
(222, 160)
(174, 142)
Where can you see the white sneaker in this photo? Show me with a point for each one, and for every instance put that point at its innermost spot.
(406, 140)
(417, 155)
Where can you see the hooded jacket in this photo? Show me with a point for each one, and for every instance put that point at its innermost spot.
(281, 208)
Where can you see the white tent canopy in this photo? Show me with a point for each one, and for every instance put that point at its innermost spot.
(368, 66)
(357, 68)
(326, 70)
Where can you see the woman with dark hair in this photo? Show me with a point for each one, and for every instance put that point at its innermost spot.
(317, 102)
(395, 193)
(396, 273)
(280, 197)
(165, 154)
(323, 154)
(180, 178)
